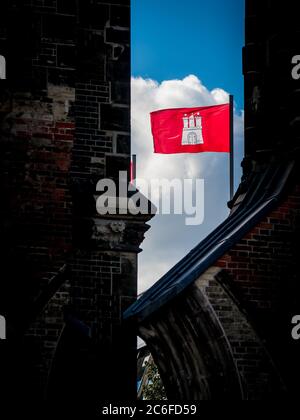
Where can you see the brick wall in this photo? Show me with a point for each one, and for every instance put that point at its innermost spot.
(263, 261)
(262, 272)
(64, 120)
(258, 375)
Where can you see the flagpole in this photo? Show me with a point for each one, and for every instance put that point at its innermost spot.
(133, 169)
(231, 168)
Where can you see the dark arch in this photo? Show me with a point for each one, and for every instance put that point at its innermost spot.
(191, 350)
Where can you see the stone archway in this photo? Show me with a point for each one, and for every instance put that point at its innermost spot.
(191, 350)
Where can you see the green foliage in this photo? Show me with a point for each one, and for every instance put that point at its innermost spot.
(153, 389)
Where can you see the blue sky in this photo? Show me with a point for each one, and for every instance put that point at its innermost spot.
(184, 53)
(171, 39)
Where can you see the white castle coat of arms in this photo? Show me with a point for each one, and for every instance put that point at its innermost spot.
(192, 130)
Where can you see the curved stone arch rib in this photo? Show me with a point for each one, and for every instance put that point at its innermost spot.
(191, 351)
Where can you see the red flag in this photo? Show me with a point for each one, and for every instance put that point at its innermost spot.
(191, 130)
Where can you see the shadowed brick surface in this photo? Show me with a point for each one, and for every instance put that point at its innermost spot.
(64, 121)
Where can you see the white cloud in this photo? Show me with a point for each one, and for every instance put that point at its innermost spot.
(169, 239)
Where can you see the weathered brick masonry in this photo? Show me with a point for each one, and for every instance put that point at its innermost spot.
(67, 274)
(263, 260)
(262, 271)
